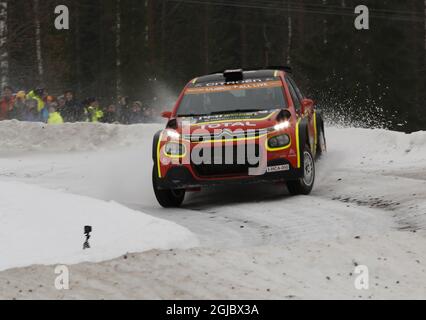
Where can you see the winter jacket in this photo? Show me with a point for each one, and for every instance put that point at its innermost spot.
(17, 111)
(73, 111)
(44, 115)
(6, 105)
(55, 118)
(136, 117)
(31, 115)
(110, 117)
(94, 114)
(40, 102)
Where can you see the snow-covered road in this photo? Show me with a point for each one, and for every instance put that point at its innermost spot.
(368, 207)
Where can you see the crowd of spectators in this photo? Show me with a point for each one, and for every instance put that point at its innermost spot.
(38, 106)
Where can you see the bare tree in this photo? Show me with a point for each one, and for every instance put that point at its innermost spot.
(118, 86)
(39, 55)
(4, 55)
(289, 36)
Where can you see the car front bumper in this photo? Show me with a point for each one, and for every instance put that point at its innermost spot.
(181, 177)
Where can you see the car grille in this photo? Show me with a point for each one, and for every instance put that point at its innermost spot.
(218, 167)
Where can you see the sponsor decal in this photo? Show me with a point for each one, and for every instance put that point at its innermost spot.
(284, 167)
(239, 119)
(228, 125)
(231, 87)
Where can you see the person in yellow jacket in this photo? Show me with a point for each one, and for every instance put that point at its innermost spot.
(93, 110)
(38, 94)
(54, 116)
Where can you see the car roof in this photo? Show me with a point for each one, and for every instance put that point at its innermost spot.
(247, 74)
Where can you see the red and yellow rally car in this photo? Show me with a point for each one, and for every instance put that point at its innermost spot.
(238, 126)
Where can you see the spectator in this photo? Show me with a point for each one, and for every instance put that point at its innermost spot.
(136, 115)
(147, 115)
(54, 116)
(44, 113)
(93, 110)
(39, 95)
(110, 115)
(61, 105)
(124, 109)
(18, 109)
(6, 102)
(30, 112)
(72, 111)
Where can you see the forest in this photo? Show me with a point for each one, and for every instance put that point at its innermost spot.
(149, 49)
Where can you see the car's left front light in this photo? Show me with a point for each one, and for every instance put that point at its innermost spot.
(174, 149)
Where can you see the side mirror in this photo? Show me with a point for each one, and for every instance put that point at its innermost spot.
(166, 114)
(307, 105)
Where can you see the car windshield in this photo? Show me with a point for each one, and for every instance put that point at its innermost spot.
(216, 99)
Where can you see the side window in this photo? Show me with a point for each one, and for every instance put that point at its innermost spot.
(294, 96)
(296, 88)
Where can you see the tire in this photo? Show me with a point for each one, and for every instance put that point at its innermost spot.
(304, 185)
(321, 145)
(167, 198)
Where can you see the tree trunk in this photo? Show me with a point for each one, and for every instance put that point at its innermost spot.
(4, 54)
(266, 45)
(325, 25)
(39, 56)
(118, 86)
(163, 36)
(77, 49)
(289, 37)
(150, 29)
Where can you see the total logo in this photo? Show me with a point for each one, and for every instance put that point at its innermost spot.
(228, 125)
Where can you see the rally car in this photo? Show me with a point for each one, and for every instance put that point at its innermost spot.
(234, 127)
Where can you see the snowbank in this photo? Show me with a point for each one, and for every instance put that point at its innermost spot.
(376, 147)
(23, 136)
(42, 226)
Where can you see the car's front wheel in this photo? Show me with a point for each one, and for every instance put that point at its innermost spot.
(305, 184)
(167, 198)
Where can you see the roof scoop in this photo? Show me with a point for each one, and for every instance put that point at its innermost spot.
(233, 75)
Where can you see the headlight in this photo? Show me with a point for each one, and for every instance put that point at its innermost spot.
(173, 134)
(280, 141)
(282, 125)
(173, 149)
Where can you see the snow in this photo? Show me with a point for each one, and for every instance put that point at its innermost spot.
(45, 225)
(19, 136)
(368, 206)
(42, 226)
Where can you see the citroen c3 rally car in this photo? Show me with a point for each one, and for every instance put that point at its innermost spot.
(238, 127)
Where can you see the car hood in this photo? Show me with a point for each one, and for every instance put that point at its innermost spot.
(234, 121)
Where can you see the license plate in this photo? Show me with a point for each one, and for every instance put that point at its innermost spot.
(284, 167)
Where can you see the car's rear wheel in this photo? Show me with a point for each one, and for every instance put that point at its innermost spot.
(304, 185)
(167, 198)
